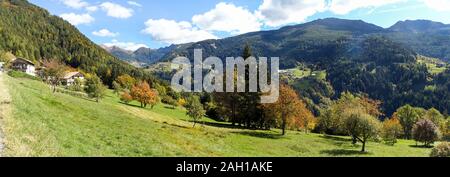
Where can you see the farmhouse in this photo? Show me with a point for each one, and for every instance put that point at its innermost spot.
(70, 77)
(23, 65)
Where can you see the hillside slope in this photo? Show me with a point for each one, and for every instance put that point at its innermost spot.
(31, 32)
(47, 124)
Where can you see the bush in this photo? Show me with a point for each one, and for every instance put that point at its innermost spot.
(391, 130)
(425, 131)
(170, 101)
(72, 93)
(441, 150)
(126, 98)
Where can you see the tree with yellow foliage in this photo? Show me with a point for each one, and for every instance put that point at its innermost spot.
(391, 130)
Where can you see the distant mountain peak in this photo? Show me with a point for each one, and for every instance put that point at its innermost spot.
(417, 26)
(355, 26)
(115, 49)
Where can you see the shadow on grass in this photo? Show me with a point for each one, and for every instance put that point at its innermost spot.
(335, 138)
(421, 146)
(132, 105)
(340, 152)
(260, 134)
(175, 125)
(222, 125)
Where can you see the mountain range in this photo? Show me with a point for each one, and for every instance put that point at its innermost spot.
(423, 36)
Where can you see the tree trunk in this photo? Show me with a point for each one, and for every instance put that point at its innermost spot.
(283, 126)
(363, 146)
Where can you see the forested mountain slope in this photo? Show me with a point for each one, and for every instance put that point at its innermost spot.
(31, 32)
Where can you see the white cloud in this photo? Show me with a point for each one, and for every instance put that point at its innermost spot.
(92, 8)
(170, 31)
(281, 12)
(439, 5)
(229, 18)
(134, 3)
(105, 33)
(342, 7)
(77, 19)
(76, 4)
(125, 45)
(116, 10)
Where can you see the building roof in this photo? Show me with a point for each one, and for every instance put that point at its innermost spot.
(71, 74)
(24, 60)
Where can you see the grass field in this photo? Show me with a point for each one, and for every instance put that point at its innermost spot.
(434, 65)
(47, 124)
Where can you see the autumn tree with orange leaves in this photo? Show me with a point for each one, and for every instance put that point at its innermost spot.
(289, 110)
(142, 93)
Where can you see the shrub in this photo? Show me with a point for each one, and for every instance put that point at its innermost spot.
(170, 101)
(126, 98)
(391, 130)
(77, 86)
(441, 150)
(72, 93)
(425, 131)
(181, 102)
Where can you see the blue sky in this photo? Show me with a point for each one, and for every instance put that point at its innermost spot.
(132, 24)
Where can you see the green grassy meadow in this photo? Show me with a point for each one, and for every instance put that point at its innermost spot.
(47, 124)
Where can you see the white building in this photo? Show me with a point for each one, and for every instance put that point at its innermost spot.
(70, 78)
(2, 64)
(23, 65)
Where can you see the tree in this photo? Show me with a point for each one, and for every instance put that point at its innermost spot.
(332, 119)
(117, 87)
(126, 97)
(304, 119)
(289, 109)
(95, 88)
(363, 127)
(437, 118)
(195, 109)
(425, 131)
(54, 72)
(6, 56)
(249, 101)
(392, 129)
(408, 116)
(125, 81)
(142, 93)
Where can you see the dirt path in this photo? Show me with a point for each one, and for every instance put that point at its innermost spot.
(5, 101)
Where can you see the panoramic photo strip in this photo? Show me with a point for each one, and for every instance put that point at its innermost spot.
(200, 80)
